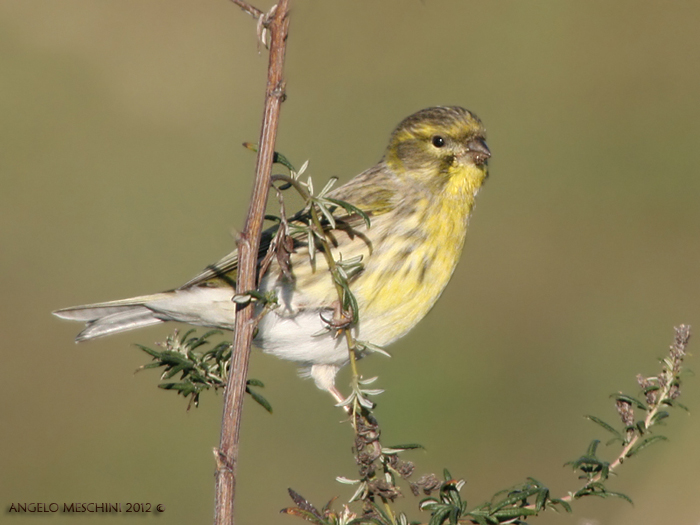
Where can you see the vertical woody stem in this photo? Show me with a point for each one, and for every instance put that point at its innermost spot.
(227, 453)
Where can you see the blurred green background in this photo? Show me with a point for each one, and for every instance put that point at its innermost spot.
(122, 174)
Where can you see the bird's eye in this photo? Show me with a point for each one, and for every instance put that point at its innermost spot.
(438, 141)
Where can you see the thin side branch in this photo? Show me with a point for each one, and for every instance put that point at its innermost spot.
(248, 245)
(662, 398)
(251, 10)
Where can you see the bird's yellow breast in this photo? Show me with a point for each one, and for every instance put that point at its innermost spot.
(404, 277)
(408, 253)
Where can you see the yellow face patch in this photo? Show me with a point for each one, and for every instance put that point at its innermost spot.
(434, 145)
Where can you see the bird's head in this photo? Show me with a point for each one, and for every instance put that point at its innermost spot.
(436, 145)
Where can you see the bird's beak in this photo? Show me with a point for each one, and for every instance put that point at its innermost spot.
(478, 151)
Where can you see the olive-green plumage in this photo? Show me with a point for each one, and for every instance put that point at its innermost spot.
(419, 198)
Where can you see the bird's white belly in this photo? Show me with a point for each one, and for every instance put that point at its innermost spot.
(295, 330)
(293, 338)
(287, 331)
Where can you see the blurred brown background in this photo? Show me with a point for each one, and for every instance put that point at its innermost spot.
(122, 174)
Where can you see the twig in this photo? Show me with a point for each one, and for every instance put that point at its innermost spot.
(251, 10)
(248, 245)
(657, 400)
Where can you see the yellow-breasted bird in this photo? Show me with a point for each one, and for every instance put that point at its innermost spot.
(418, 197)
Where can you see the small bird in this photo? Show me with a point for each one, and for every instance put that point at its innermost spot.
(419, 198)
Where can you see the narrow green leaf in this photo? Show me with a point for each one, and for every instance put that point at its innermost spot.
(384, 517)
(278, 158)
(331, 182)
(369, 347)
(359, 492)
(347, 481)
(259, 399)
(515, 497)
(517, 512)
(149, 351)
(326, 213)
(311, 245)
(351, 209)
(658, 417)
(651, 388)
(644, 444)
(149, 365)
(409, 446)
(454, 515)
(438, 517)
(428, 503)
(629, 399)
(605, 425)
(184, 337)
(534, 483)
(621, 496)
(592, 448)
(542, 497)
(175, 370)
(679, 405)
(479, 518)
(597, 486)
(327, 507)
(563, 503)
(242, 299)
(212, 333)
(638, 427)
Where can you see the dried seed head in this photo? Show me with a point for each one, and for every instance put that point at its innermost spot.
(624, 408)
(647, 384)
(428, 483)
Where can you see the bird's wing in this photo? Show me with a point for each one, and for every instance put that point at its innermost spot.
(226, 268)
(377, 201)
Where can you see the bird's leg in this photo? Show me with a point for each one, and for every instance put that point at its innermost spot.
(339, 398)
(341, 320)
(338, 324)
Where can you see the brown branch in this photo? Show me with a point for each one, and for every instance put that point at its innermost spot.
(248, 245)
(251, 10)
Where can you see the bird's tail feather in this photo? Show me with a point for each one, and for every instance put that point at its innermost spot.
(110, 318)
